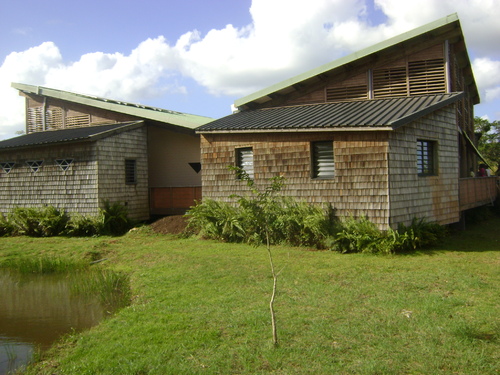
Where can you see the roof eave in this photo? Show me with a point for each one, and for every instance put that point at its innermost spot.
(146, 112)
(300, 130)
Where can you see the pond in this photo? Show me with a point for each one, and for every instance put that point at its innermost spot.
(36, 310)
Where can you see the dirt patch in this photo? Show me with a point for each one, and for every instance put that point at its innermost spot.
(170, 224)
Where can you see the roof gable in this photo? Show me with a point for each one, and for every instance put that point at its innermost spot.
(447, 28)
(141, 111)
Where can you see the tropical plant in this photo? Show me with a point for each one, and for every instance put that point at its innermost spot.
(114, 219)
(38, 221)
(489, 141)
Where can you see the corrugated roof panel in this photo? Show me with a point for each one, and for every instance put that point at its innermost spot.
(65, 135)
(367, 113)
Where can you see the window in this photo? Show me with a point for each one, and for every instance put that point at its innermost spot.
(64, 163)
(323, 164)
(426, 158)
(244, 160)
(7, 166)
(130, 171)
(35, 165)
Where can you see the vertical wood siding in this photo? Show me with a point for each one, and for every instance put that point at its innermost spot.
(61, 114)
(360, 186)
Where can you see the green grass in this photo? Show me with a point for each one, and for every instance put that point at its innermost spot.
(201, 307)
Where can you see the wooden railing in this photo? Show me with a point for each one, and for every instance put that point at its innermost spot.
(173, 200)
(477, 191)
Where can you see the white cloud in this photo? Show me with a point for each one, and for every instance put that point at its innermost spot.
(130, 77)
(487, 75)
(285, 38)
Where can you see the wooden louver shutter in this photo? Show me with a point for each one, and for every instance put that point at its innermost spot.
(245, 160)
(323, 161)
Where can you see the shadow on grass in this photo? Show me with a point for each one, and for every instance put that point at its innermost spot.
(479, 236)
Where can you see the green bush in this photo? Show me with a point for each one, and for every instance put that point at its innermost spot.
(38, 221)
(83, 226)
(6, 228)
(362, 236)
(114, 220)
(252, 218)
(48, 221)
(217, 220)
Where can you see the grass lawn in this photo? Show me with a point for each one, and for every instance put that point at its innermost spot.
(201, 307)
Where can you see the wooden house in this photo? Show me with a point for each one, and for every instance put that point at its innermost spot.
(80, 150)
(385, 132)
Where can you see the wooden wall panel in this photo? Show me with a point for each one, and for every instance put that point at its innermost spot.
(360, 186)
(74, 190)
(433, 197)
(111, 155)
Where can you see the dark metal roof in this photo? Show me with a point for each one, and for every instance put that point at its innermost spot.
(66, 135)
(392, 113)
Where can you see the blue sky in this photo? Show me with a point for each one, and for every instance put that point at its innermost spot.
(198, 56)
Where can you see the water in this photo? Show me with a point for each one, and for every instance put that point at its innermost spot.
(37, 310)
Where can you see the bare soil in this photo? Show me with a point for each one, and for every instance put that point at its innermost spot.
(170, 224)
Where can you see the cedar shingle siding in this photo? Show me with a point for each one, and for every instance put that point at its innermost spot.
(96, 173)
(375, 106)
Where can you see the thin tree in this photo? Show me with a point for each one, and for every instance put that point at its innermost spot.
(260, 205)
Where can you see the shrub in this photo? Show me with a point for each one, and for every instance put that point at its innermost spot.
(358, 236)
(114, 220)
(252, 218)
(216, 220)
(38, 221)
(6, 228)
(421, 233)
(361, 235)
(83, 226)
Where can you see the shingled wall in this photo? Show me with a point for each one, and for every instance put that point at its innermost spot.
(360, 185)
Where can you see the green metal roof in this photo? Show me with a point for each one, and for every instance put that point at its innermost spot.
(377, 114)
(142, 111)
(449, 22)
(85, 133)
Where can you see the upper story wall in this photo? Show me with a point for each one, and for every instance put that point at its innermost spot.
(408, 72)
(61, 114)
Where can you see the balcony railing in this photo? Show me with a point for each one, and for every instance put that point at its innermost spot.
(477, 191)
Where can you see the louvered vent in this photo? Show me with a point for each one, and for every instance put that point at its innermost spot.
(35, 119)
(389, 82)
(339, 94)
(77, 121)
(54, 119)
(427, 77)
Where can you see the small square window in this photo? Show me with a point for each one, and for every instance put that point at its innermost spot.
(7, 166)
(35, 165)
(130, 171)
(64, 164)
(244, 160)
(426, 158)
(323, 163)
